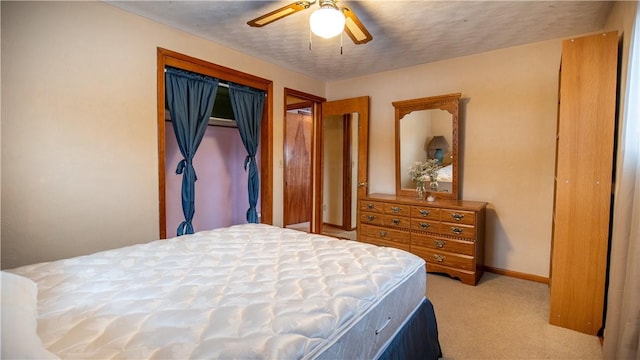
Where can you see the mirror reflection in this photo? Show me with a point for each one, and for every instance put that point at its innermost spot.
(427, 135)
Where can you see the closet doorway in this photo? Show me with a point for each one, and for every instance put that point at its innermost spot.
(173, 59)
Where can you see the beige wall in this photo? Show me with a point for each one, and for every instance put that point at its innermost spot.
(508, 117)
(79, 134)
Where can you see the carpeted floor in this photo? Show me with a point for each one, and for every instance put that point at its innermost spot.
(327, 230)
(502, 318)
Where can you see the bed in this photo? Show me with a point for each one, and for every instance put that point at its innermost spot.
(445, 178)
(251, 291)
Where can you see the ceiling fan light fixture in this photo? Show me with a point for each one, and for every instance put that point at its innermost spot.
(327, 22)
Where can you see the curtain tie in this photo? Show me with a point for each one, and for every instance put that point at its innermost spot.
(247, 160)
(183, 164)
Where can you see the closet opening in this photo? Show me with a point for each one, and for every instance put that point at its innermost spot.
(222, 185)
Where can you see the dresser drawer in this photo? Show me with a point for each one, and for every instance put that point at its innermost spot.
(425, 225)
(372, 206)
(458, 230)
(386, 234)
(383, 242)
(371, 218)
(425, 213)
(397, 221)
(458, 216)
(445, 258)
(435, 243)
(397, 209)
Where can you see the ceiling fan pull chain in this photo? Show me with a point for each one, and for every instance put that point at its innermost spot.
(309, 39)
(342, 33)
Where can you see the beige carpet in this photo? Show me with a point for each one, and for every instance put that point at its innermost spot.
(327, 230)
(502, 318)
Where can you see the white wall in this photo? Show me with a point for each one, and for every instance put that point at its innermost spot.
(79, 133)
(508, 123)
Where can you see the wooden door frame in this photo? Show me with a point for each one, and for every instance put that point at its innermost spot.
(358, 105)
(316, 113)
(347, 171)
(171, 58)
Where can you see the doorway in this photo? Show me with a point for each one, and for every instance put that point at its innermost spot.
(342, 170)
(297, 172)
(300, 113)
(339, 171)
(331, 185)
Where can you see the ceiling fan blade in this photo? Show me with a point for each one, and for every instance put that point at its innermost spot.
(279, 13)
(354, 28)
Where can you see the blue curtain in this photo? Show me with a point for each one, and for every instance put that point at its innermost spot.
(190, 98)
(247, 104)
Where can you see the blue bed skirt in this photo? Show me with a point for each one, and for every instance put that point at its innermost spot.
(418, 338)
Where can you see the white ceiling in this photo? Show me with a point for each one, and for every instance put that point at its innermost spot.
(405, 33)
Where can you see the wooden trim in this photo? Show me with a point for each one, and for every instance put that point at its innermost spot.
(318, 171)
(162, 153)
(266, 160)
(303, 95)
(516, 274)
(171, 58)
(300, 105)
(346, 172)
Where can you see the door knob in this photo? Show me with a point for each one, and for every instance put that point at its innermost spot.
(363, 184)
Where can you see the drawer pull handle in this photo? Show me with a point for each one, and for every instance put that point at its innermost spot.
(371, 206)
(425, 225)
(371, 217)
(457, 216)
(439, 243)
(438, 257)
(396, 209)
(383, 233)
(457, 230)
(395, 221)
(424, 212)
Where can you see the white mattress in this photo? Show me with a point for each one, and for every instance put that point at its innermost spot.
(248, 291)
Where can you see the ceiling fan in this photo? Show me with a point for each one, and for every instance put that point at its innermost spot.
(327, 21)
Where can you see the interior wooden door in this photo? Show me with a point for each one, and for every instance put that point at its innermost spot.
(297, 196)
(297, 166)
(357, 110)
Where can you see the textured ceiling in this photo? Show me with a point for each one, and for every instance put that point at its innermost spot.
(405, 33)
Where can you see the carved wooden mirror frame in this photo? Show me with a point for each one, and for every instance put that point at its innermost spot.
(448, 103)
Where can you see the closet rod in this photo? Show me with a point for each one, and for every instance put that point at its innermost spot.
(220, 82)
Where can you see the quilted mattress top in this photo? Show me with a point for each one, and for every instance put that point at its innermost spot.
(247, 291)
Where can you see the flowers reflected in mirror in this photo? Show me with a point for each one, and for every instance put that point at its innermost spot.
(423, 172)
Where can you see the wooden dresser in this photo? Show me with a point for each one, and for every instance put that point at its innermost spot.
(447, 234)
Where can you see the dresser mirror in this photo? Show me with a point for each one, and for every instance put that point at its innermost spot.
(427, 128)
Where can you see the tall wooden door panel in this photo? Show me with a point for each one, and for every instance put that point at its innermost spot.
(585, 152)
(357, 110)
(297, 168)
